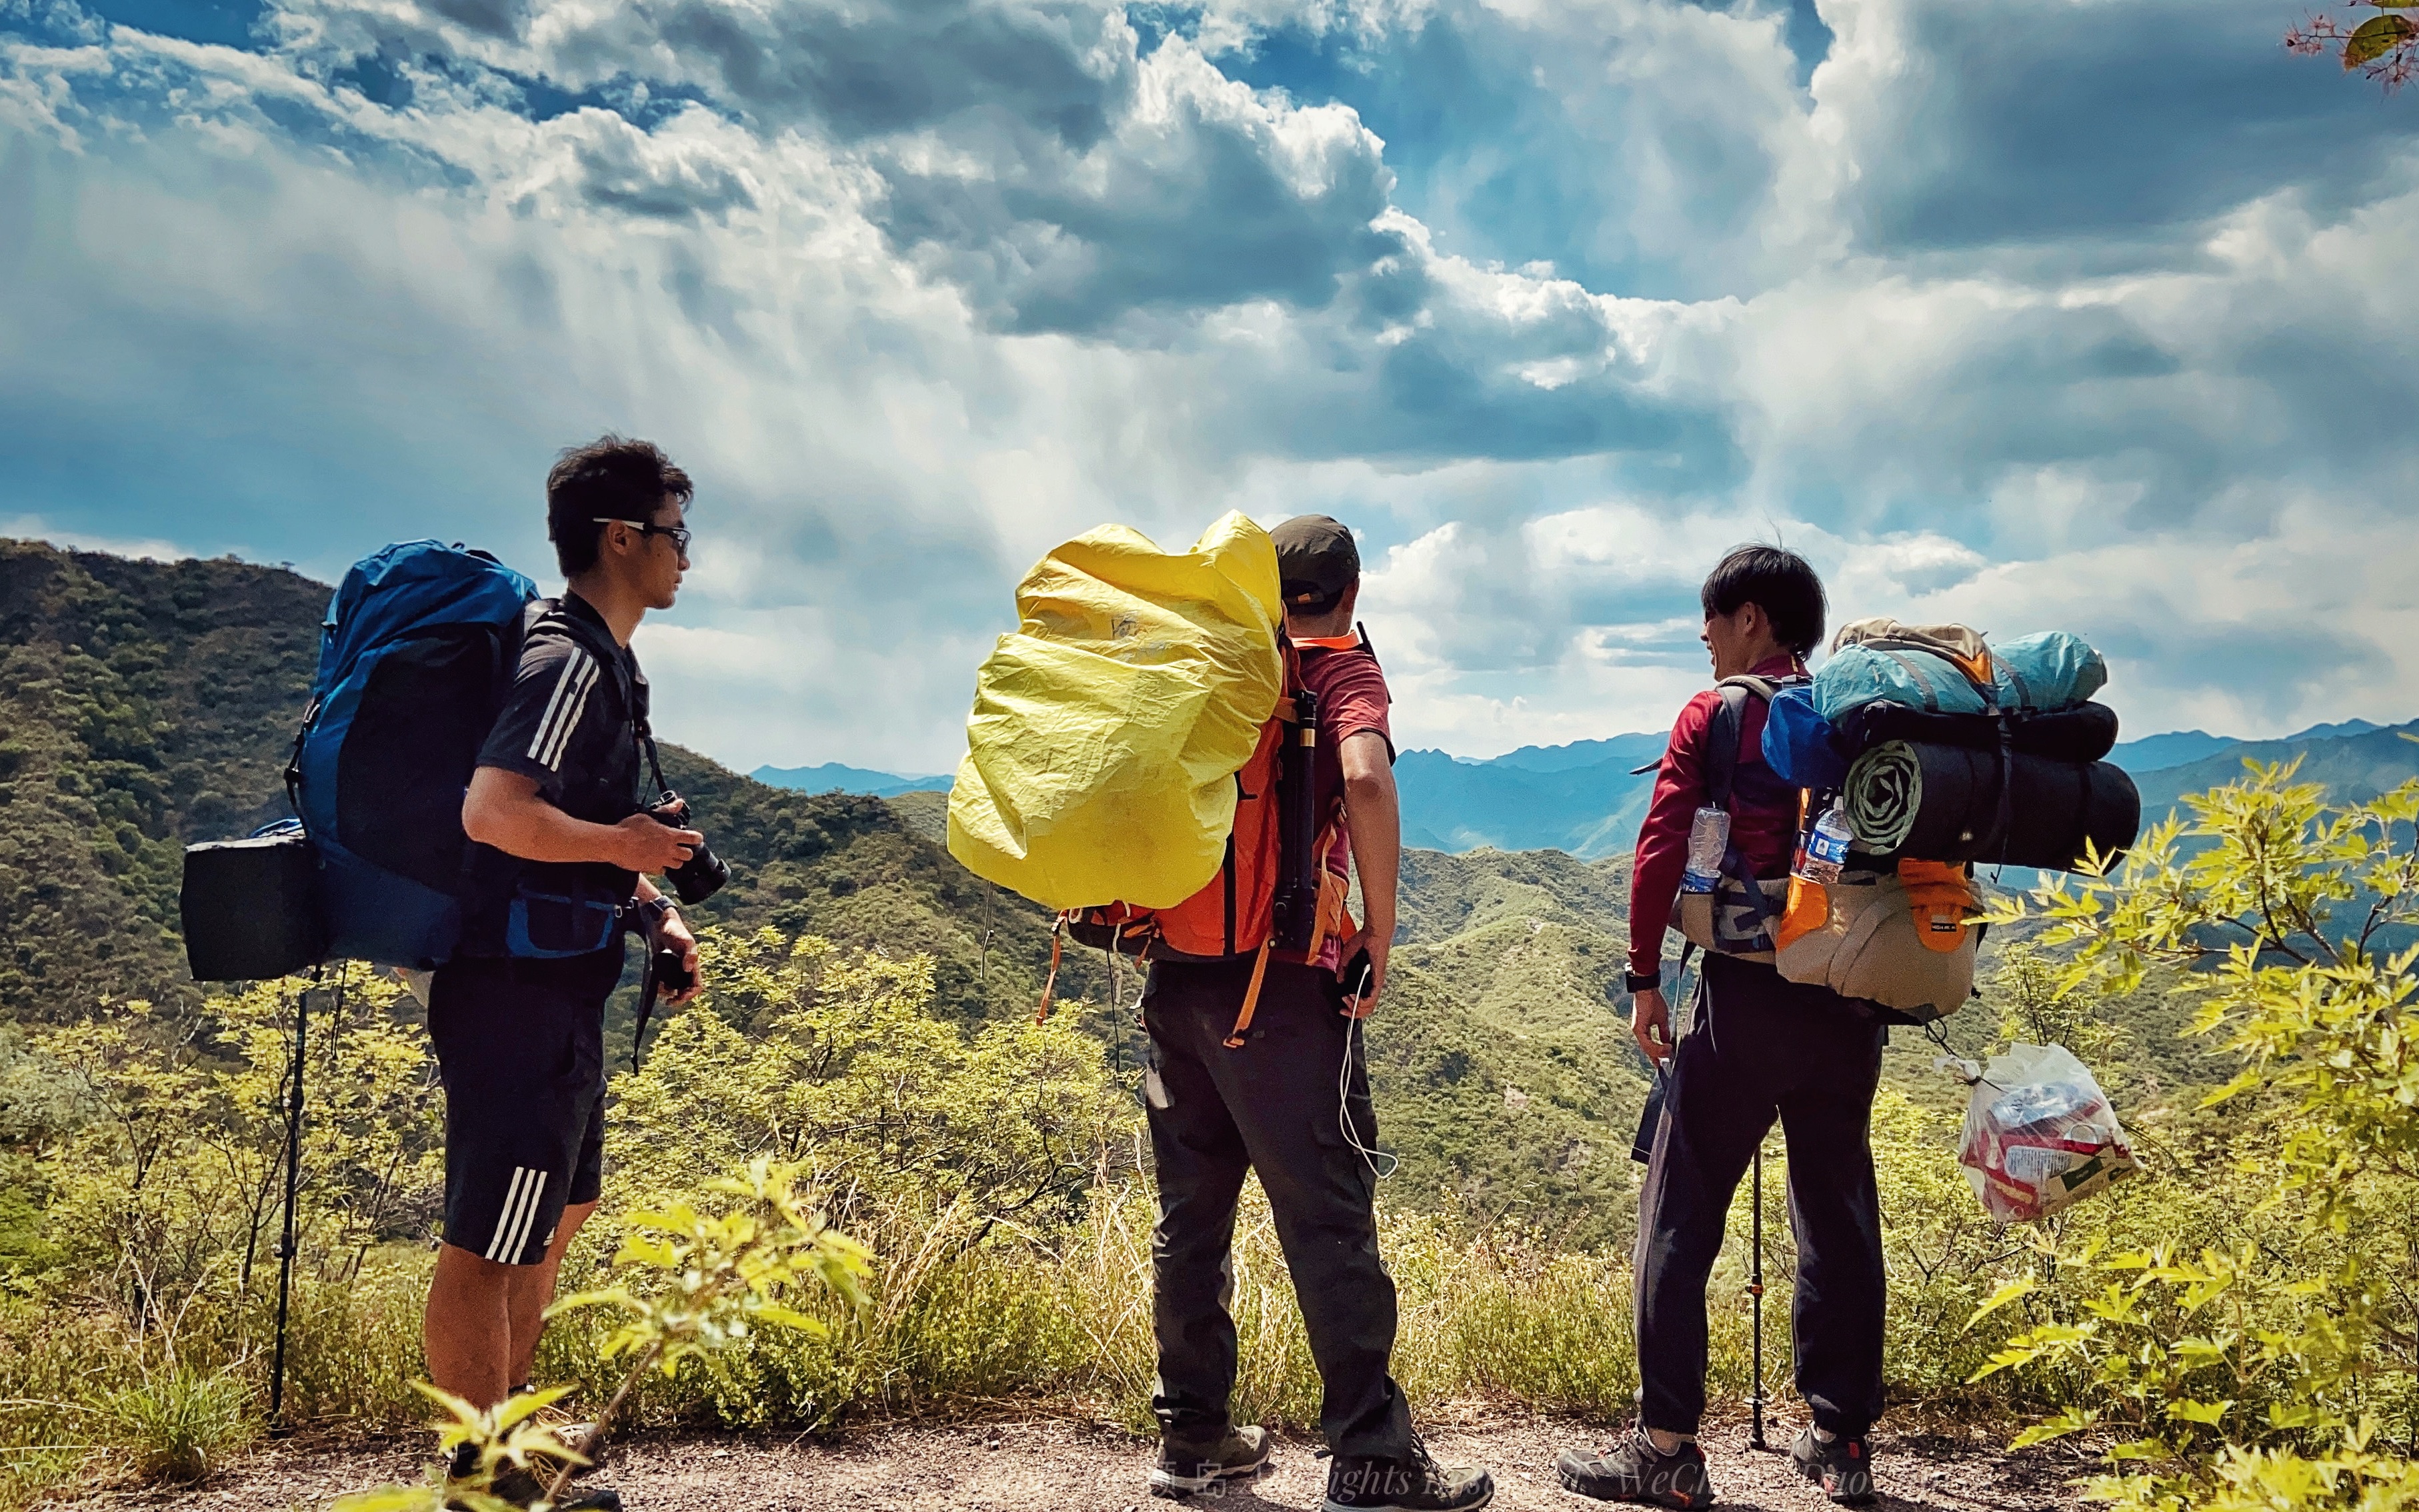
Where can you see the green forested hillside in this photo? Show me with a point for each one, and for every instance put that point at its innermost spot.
(147, 705)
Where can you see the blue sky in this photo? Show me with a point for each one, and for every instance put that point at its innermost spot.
(2031, 314)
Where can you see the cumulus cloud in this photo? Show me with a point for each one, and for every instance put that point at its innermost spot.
(1553, 300)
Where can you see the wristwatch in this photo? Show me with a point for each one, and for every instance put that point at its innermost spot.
(654, 909)
(1633, 981)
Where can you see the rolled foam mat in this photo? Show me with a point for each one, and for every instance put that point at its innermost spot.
(1941, 803)
(2085, 733)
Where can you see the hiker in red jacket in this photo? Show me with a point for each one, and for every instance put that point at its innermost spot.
(1758, 1048)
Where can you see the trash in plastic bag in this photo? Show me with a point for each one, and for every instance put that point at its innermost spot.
(2040, 1133)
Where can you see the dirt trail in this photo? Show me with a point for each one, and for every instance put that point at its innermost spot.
(1055, 1466)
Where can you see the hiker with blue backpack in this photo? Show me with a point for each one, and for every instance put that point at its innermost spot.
(563, 836)
(1715, 851)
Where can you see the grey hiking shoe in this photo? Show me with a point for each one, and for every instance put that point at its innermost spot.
(1363, 1483)
(1631, 1469)
(1186, 1470)
(1844, 1467)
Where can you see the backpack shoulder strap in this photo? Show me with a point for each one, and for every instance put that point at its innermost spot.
(1722, 736)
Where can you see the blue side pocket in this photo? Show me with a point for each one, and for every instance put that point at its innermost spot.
(552, 926)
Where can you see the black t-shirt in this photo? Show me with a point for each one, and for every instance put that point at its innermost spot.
(570, 722)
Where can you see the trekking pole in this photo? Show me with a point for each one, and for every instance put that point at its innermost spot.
(1755, 1295)
(278, 1428)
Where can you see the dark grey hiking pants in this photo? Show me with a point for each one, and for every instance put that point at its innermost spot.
(1269, 1107)
(1762, 1045)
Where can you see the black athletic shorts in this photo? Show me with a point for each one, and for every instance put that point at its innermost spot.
(520, 1046)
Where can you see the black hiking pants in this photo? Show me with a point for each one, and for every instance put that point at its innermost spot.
(1269, 1107)
(1763, 1046)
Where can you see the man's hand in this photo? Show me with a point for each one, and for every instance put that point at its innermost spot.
(671, 934)
(1367, 1003)
(648, 845)
(1650, 1023)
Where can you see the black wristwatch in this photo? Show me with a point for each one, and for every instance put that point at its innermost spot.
(1634, 983)
(654, 910)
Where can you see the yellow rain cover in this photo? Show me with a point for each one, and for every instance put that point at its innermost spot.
(1108, 730)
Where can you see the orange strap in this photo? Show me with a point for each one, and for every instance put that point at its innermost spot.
(1330, 642)
(1058, 947)
(1251, 1000)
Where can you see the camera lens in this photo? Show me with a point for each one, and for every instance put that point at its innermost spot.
(700, 876)
(704, 873)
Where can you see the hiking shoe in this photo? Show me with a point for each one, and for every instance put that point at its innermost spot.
(1633, 1470)
(1844, 1467)
(519, 1488)
(1363, 1483)
(580, 1437)
(1184, 1470)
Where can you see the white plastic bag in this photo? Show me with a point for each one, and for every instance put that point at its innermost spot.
(2040, 1135)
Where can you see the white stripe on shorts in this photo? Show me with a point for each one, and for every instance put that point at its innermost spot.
(511, 1201)
(529, 1216)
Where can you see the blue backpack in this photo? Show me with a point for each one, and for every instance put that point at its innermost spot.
(419, 649)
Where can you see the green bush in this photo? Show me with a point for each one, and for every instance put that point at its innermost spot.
(179, 1425)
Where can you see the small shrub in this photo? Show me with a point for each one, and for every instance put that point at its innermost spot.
(179, 1425)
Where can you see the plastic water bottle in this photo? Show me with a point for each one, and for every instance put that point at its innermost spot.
(1709, 836)
(1826, 849)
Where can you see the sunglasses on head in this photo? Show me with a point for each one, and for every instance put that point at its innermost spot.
(678, 533)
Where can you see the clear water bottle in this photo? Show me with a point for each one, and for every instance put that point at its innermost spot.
(1709, 836)
(1826, 849)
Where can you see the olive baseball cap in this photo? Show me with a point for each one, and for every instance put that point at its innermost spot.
(1316, 561)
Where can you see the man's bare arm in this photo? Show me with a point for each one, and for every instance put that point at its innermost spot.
(1373, 817)
(503, 809)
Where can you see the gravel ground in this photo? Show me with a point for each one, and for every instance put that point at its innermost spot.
(1033, 1465)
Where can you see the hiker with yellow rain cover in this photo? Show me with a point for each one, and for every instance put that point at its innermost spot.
(1185, 753)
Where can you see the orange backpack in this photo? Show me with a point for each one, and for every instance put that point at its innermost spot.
(1273, 892)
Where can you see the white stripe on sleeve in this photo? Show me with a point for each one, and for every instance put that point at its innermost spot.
(566, 686)
(573, 708)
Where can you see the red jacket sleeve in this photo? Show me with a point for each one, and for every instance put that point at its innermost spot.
(1663, 839)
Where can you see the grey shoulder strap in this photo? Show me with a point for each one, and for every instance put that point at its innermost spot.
(1722, 736)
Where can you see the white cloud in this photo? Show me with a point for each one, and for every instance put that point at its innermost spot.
(917, 290)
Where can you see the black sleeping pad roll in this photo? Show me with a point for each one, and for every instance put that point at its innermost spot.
(2085, 733)
(1944, 800)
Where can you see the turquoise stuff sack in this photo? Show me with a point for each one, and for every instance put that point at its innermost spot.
(2033, 673)
(2050, 670)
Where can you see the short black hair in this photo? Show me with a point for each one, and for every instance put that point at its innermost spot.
(612, 477)
(1777, 581)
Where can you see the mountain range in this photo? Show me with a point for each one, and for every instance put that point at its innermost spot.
(1587, 797)
(146, 704)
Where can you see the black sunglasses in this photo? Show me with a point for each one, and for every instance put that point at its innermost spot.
(678, 533)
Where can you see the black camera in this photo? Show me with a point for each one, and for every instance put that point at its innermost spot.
(704, 873)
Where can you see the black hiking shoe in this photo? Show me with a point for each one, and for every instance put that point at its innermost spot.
(1186, 1470)
(1844, 1467)
(519, 1488)
(1631, 1469)
(1363, 1483)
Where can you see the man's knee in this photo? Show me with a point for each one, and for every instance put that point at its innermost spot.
(469, 1270)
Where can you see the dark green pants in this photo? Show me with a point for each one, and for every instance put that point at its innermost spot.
(1270, 1106)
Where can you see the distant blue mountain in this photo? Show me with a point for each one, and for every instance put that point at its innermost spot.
(1634, 750)
(2183, 747)
(1588, 810)
(1584, 798)
(2153, 752)
(832, 777)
